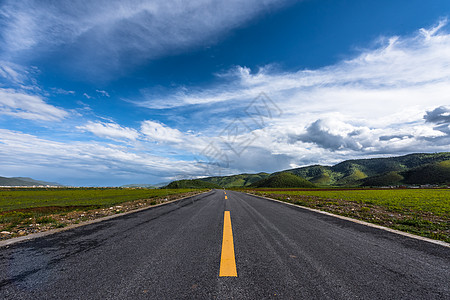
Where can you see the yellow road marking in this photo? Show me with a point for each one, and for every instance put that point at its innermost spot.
(225, 193)
(227, 261)
(226, 197)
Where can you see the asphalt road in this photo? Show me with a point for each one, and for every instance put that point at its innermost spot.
(174, 252)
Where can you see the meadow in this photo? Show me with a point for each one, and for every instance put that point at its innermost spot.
(22, 208)
(13, 199)
(424, 212)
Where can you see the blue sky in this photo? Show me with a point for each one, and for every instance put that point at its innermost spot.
(105, 93)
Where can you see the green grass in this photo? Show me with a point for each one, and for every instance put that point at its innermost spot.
(15, 199)
(22, 207)
(15, 218)
(45, 220)
(436, 201)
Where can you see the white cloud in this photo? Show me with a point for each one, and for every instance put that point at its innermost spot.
(103, 32)
(159, 132)
(62, 91)
(110, 130)
(87, 96)
(11, 72)
(21, 105)
(370, 105)
(14, 75)
(189, 143)
(439, 115)
(103, 93)
(403, 70)
(77, 161)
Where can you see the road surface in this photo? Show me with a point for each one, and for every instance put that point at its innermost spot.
(175, 252)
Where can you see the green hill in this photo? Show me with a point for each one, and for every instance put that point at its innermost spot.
(377, 166)
(192, 184)
(240, 180)
(283, 180)
(24, 181)
(376, 170)
(387, 179)
(435, 173)
(317, 174)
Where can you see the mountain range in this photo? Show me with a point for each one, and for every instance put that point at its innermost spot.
(24, 181)
(411, 169)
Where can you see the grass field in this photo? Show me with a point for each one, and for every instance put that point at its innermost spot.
(23, 208)
(424, 212)
(13, 199)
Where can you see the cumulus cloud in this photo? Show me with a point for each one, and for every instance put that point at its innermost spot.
(103, 33)
(336, 135)
(439, 115)
(21, 105)
(110, 130)
(332, 135)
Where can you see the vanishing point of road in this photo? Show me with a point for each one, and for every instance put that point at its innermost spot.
(225, 245)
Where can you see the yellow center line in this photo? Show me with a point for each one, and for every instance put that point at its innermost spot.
(226, 197)
(227, 261)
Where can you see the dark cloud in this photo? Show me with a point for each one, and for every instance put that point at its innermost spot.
(319, 134)
(391, 137)
(439, 115)
(256, 159)
(445, 128)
